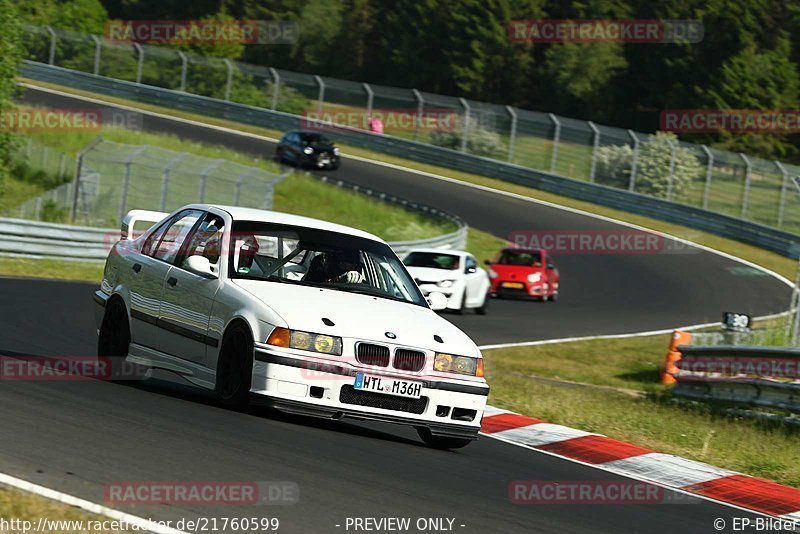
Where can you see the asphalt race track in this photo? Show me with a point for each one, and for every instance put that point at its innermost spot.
(76, 437)
(600, 294)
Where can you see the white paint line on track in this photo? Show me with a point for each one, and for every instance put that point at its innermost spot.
(144, 524)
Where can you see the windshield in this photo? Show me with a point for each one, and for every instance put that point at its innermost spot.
(516, 257)
(316, 140)
(319, 258)
(432, 260)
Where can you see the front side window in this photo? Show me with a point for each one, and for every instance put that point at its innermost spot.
(170, 244)
(319, 258)
(206, 241)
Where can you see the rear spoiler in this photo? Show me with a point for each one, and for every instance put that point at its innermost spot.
(137, 216)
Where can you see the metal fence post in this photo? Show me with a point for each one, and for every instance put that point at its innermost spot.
(139, 62)
(671, 177)
(595, 146)
(237, 193)
(370, 98)
(184, 68)
(556, 137)
(784, 189)
(709, 174)
(126, 180)
(165, 179)
(62, 162)
(44, 157)
(512, 137)
(420, 109)
(228, 79)
(634, 161)
(747, 177)
(28, 147)
(52, 57)
(276, 82)
(320, 95)
(77, 178)
(465, 135)
(204, 177)
(98, 48)
(796, 307)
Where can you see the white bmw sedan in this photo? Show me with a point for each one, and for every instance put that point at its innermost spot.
(450, 279)
(308, 316)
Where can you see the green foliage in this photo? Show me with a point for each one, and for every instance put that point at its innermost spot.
(614, 163)
(10, 56)
(480, 141)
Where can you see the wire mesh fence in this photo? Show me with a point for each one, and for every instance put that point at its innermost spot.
(686, 173)
(114, 178)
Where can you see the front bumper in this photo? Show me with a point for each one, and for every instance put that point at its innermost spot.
(528, 289)
(453, 293)
(310, 387)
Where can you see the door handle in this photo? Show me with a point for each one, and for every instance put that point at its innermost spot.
(137, 267)
(172, 281)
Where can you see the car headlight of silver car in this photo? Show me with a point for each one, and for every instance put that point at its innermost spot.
(462, 365)
(300, 340)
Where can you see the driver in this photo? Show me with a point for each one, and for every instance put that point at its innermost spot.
(346, 267)
(247, 253)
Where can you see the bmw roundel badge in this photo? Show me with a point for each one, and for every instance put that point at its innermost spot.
(391, 335)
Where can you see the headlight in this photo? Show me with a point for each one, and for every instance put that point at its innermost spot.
(492, 274)
(335, 151)
(535, 277)
(446, 283)
(297, 339)
(308, 150)
(463, 365)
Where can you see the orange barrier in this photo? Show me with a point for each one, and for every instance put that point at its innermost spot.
(669, 368)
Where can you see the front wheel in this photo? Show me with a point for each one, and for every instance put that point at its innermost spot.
(441, 442)
(235, 367)
(484, 308)
(114, 342)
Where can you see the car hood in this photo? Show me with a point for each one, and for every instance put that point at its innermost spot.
(359, 316)
(322, 148)
(429, 274)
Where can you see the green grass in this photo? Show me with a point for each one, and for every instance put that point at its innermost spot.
(15, 504)
(654, 421)
(770, 260)
(611, 386)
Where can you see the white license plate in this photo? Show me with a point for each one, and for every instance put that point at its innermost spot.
(389, 386)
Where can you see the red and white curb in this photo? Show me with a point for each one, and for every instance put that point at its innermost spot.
(742, 491)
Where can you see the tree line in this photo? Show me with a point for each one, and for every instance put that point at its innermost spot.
(747, 58)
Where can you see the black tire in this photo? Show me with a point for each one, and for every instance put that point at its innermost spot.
(554, 296)
(113, 343)
(463, 309)
(235, 367)
(441, 442)
(484, 308)
(334, 166)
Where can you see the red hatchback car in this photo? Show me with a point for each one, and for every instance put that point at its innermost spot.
(520, 272)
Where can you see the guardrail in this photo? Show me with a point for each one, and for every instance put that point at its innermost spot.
(780, 241)
(745, 375)
(21, 237)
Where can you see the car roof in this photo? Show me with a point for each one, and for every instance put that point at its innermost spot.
(439, 251)
(276, 217)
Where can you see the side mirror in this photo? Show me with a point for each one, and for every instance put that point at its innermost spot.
(437, 301)
(199, 265)
(470, 270)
